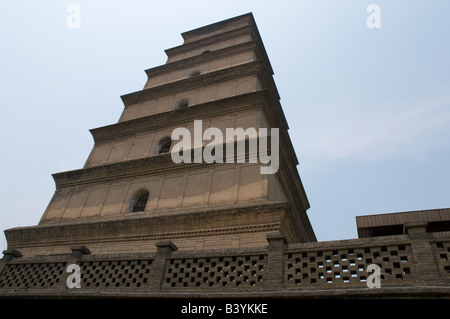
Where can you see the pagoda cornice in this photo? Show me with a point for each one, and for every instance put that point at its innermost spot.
(193, 82)
(180, 116)
(195, 60)
(229, 35)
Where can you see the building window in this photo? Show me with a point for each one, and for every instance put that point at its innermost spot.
(139, 201)
(164, 145)
(182, 104)
(195, 73)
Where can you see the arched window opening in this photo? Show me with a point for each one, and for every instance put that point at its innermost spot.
(164, 145)
(182, 104)
(139, 201)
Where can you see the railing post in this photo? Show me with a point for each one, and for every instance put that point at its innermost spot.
(7, 256)
(428, 271)
(274, 276)
(165, 249)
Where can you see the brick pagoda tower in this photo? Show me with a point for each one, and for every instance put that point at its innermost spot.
(130, 194)
(135, 223)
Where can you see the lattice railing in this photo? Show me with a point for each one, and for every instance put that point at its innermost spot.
(39, 275)
(104, 274)
(348, 266)
(441, 250)
(216, 272)
(402, 261)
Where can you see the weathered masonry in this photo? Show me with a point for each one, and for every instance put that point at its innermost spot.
(136, 224)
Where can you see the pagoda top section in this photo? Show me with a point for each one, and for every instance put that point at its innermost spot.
(241, 21)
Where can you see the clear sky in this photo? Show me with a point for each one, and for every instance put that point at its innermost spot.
(368, 108)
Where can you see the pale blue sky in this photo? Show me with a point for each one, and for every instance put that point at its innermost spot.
(368, 109)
